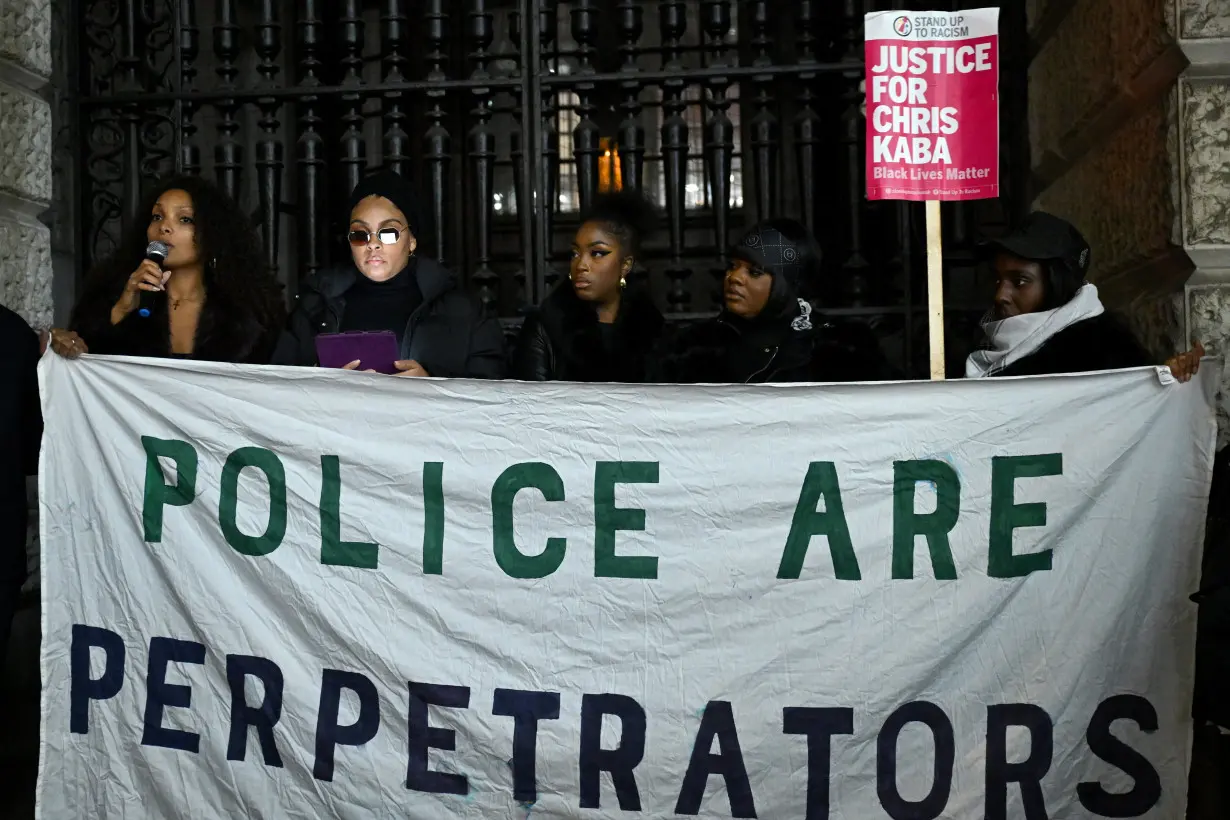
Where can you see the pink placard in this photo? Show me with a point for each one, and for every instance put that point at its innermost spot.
(932, 104)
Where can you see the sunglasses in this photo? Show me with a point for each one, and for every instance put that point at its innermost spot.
(387, 236)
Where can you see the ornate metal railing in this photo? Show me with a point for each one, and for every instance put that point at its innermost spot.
(723, 111)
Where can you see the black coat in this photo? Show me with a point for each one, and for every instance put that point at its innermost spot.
(21, 426)
(1100, 343)
(1211, 702)
(562, 340)
(227, 331)
(447, 333)
(718, 351)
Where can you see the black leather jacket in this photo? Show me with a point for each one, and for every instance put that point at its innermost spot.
(793, 348)
(562, 340)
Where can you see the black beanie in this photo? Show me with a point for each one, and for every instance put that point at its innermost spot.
(396, 189)
(769, 249)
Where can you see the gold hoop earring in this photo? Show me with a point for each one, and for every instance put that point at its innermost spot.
(623, 281)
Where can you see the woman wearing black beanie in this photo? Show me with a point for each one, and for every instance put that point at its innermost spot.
(387, 286)
(767, 331)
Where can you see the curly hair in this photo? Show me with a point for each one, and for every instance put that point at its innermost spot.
(226, 240)
(627, 214)
(237, 280)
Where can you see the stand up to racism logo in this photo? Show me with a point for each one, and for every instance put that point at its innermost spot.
(932, 104)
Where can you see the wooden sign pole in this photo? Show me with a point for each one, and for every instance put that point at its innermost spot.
(935, 288)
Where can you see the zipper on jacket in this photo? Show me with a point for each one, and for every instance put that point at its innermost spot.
(767, 365)
(407, 338)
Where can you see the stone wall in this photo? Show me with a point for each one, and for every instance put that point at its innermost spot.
(1130, 131)
(1203, 123)
(1101, 109)
(25, 159)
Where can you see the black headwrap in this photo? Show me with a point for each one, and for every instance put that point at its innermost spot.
(396, 189)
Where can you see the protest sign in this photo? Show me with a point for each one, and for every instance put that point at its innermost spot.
(302, 593)
(932, 105)
(933, 123)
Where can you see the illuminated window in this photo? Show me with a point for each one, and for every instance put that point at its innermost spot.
(610, 174)
(697, 194)
(567, 119)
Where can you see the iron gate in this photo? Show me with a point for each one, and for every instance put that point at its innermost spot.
(721, 111)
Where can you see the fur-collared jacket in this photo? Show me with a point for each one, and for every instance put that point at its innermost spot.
(226, 332)
(563, 341)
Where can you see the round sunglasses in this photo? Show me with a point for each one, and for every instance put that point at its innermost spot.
(387, 236)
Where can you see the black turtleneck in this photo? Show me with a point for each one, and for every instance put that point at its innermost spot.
(382, 305)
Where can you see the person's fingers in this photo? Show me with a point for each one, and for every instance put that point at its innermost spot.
(1184, 365)
(147, 271)
(68, 344)
(410, 367)
(352, 366)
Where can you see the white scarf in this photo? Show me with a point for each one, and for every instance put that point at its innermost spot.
(1012, 339)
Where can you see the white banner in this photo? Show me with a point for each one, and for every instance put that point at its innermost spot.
(278, 593)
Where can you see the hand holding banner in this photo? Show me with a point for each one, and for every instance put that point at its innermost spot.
(329, 595)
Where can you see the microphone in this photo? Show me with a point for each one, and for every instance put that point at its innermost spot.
(157, 253)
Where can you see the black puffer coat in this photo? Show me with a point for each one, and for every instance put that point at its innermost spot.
(447, 333)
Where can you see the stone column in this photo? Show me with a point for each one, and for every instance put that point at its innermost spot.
(1101, 89)
(1203, 28)
(25, 158)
